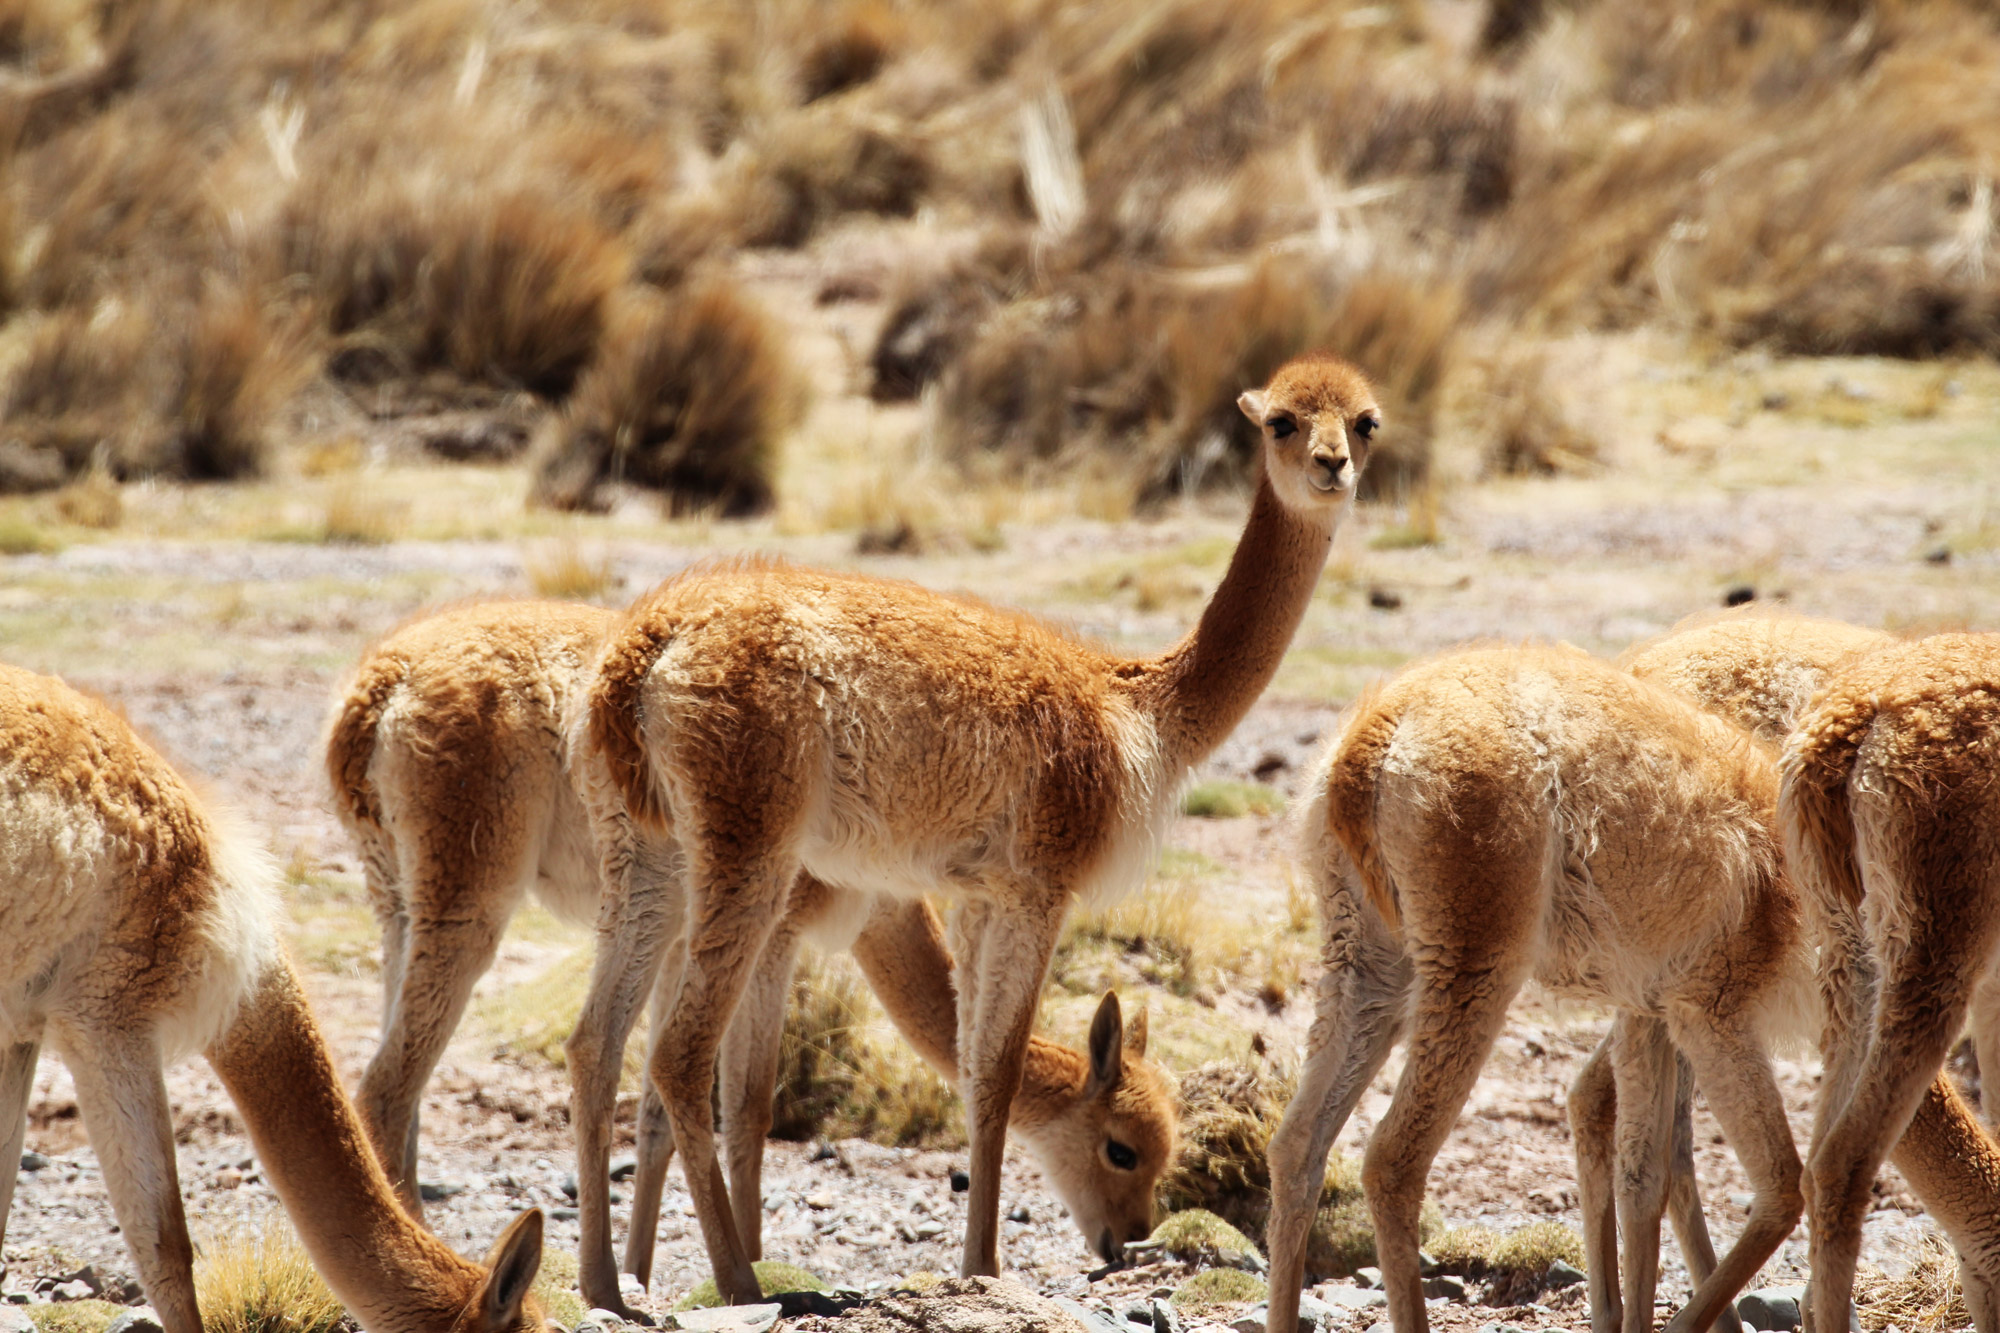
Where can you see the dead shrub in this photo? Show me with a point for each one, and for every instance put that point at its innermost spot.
(411, 275)
(73, 397)
(232, 366)
(1532, 427)
(847, 49)
(933, 317)
(839, 1075)
(812, 166)
(1148, 367)
(688, 395)
(1928, 1299)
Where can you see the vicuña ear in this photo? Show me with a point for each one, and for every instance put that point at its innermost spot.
(1251, 401)
(1135, 1034)
(1107, 1046)
(512, 1264)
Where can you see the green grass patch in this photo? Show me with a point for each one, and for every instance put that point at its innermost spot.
(1220, 1286)
(20, 535)
(772, 1277)
(76, 1316)
(1196, 1235)
(1224, 799)
(555, 1287)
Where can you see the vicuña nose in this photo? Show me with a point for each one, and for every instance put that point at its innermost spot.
(1332, 465)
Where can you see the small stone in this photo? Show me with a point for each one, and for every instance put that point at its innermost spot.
(600, 1320)
(731, 1318)
(437, 1191)
(819, 1202)
(1562, 1274)
(624, 1168)
(1094, 1321)
(228, 1178)
(1383, 1327)
(1316, 1314)
(13, 1319)
(630, 1289)
(138, 1319)
(1938, 555)
(824, 1151)
(87, 1275)
(1166, 1319)
(1353, 1298)
(562, 1214)
(1254, 1322)
(1139, 1312)
(71, 1291)
(1426, 1265)
(1020, 1214)
(1382, 599)
(33, 1161)
(1777, 400)
(929, 1228)
(1737, 594)
(1771, 1309)
(1370, 1278)
(1445, 1287)
(960, 1182)
(19, 1297)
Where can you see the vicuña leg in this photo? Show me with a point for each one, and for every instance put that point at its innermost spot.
(17, 1081)
(1731, 1066)
(1003, 957)
(122, 1094)
(739, 899)
(1954, 1167)
(641, 913)
(1461, 1004)
(441, 947)
(1593, 1128)
(1643, 1060)
(1363, 984)
(1684, 1195)
(1986, 1044)
(749, 1072)
(655, 1149)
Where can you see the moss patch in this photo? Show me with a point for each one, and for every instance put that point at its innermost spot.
(1197, 1235)
(1220, 1286)
(1223, 799)
(772, 1276)
(74, 1316)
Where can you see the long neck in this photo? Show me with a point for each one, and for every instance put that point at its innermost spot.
(1198, 690)
(902, 952)
(390, 1272)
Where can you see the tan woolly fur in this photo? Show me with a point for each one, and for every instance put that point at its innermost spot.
(1501, 815)
(140, 919)
(1891, 808)
(747, 721)
(446, 758)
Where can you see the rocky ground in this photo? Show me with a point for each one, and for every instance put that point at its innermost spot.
(226, 648)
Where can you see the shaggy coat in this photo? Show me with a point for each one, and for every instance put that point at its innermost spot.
(1502, 815)
(749, 720)
(446, 758)
(1892, 819)
(140, 923)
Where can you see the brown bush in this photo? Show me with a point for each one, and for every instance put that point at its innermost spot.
(847, 49)
(688, 395)
(934, 315)
(1148, 368)
(812, 166)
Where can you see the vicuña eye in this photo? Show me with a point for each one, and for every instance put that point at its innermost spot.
(1281, 427)
(1366, 426)
(1122, 1157)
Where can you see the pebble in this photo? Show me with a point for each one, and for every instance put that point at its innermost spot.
(819, 1202)
(1094, 1321)
(1383, 1327)
(729, 1318)
(1166, 1319)
(139, 1319)
(1562, 1274)
(13, 1319)
(1771, 1308)
(1316, 1314)
(1139, 1312)
(569, 1185)
(1370, 1278)
(600, 1320)
(929, 1228)
(71, 1291)
(624, 1168)
(1382, 599)
(1254, 1322)
(1353, 1298)
(1020, 1214)
(437, 1191)
(562, 1214)
(960, 1181)
(33, 1161)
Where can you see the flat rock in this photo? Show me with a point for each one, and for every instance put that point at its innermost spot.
(1771, 1309)
(139, 1319)
(1095, 1320)
(1562, 1274)
(729, 1318)
(14, 1319)
(1353, 1298)
(1445, 1287)
(1253, 1322)
(966, 1305)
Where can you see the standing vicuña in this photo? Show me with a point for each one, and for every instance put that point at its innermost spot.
(139, 923)
(746, 721)
(1891, 808)
(448, 768)
(1506, 814)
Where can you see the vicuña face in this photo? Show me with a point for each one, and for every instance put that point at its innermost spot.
(1319, 421)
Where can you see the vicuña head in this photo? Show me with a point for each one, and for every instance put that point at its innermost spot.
(139, 925)
(1102, 1128)
(1318, 415)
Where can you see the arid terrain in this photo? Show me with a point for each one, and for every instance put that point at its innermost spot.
(317, 313)
(226, 649)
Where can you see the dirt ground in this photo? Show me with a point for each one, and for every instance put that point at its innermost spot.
(226, 649)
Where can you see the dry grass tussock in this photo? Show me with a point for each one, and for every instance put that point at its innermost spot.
(1927, 1300)
(1175, 197)
(260, 1281)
